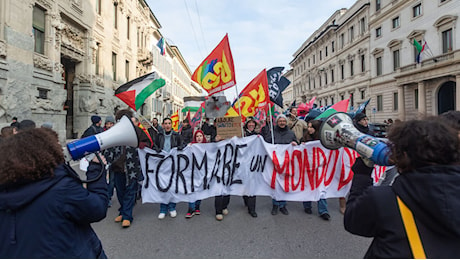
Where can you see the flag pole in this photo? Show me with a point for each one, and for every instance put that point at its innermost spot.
(239, 109)
(148, 121)
(271, 121)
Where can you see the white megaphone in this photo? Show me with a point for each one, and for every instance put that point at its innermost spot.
(338, 131)
(122, 133)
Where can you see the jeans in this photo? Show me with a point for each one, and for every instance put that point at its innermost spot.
(279, 203)
(322, 206)
(194, 205)
(165, 207)
(126, 195)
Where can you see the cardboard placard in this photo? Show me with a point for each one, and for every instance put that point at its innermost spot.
(228, 127)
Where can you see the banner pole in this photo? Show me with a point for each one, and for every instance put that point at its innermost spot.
(271, 121)
(239, 109)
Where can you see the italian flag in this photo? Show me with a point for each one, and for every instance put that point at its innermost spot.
(136, 91)
(341, 106)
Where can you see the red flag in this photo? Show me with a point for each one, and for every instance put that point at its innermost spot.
(217, 72)
(253, 97)
(197, 117)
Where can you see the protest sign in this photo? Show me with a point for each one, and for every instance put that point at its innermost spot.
(228, 127)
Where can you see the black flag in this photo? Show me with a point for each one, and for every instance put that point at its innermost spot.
(276, 84)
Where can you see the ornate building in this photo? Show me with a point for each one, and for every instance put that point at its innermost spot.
(368, 51)
(60, 61)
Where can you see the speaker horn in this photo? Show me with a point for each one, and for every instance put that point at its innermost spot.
(338, 131)
(122, 133)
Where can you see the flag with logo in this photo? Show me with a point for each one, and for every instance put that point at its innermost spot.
(135, 92)
(360, 109)
(252, 98)
(217, 72)
(161, 46)
(197, 117)
(276, 84)
(175, 121)
(341, 106)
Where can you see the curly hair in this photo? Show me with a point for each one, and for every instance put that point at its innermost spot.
(420, 143)
(29, 156)
(452, 118)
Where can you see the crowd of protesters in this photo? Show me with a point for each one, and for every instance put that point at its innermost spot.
(425, 184)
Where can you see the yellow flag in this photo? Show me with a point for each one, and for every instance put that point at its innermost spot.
(175, 121)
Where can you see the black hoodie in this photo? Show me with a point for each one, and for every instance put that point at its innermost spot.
(431, 193)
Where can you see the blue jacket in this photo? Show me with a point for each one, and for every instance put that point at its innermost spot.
(51, 217)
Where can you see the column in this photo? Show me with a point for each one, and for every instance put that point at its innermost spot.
(457, 92)
(421, 99)
(401, 104)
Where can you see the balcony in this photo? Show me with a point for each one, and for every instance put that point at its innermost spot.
(144, 57)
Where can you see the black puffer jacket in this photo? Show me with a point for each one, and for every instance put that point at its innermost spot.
(431, 193)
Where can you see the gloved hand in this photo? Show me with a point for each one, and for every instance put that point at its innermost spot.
(360, 166)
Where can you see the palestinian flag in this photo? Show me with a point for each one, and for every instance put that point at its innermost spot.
(135, 92)
(341, 106)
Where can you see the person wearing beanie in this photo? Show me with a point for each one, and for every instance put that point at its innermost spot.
(109, 122)
(95, 128)
(361, 122)
(282, 135)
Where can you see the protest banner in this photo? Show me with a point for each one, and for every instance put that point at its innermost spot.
(228, 127)
(247, 166)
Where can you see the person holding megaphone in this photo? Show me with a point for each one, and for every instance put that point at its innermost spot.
(45, 212)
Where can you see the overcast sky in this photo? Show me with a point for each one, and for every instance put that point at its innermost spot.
(262, 33)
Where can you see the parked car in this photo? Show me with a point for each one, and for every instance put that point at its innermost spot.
(378, 129)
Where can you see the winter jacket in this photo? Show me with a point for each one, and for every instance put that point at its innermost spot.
(51, 217)
(176, 141)
(187, 134)
(281, 136)
(92, 130)
(297, 126)
(210, 130)
(431, 193)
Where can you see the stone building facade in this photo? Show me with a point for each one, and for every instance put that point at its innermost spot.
(60, 61)
(367, 51)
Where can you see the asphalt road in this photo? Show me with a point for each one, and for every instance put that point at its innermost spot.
(297, 235)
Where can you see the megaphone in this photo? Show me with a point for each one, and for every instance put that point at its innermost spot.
(122, 133)
(338, 131)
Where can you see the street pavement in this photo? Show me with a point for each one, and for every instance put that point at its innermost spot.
(297, 235)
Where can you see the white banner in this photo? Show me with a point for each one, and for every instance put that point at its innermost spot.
(247, 166)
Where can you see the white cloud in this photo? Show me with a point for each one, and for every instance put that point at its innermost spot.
(262, 34)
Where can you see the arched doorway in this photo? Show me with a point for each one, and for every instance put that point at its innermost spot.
(446, 97)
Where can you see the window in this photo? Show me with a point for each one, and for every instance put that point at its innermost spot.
(352, 33)
(137, 37)
(395, 22)
(378, 62)
(362, 25)
(363, 94)
(395, 101)
(417, 10)
(332, 100)
(38, 28)
(363, 63)
(377, 5)
(308, 61)
(342, 97)
(115, 15)
(127, 27)
(342, 71)
(98, 6)
(416, 98)
(332, 46)
(325, 78)
(114, 66)
(127, 70)
(447, 41)
(379, 103)
(332, 75)
(98, 51)
(320, 81)
(378, 32)
(352, 70)
(325, 51)
(396, 62)
(314, 59)
(320, 55)
(342, 40)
